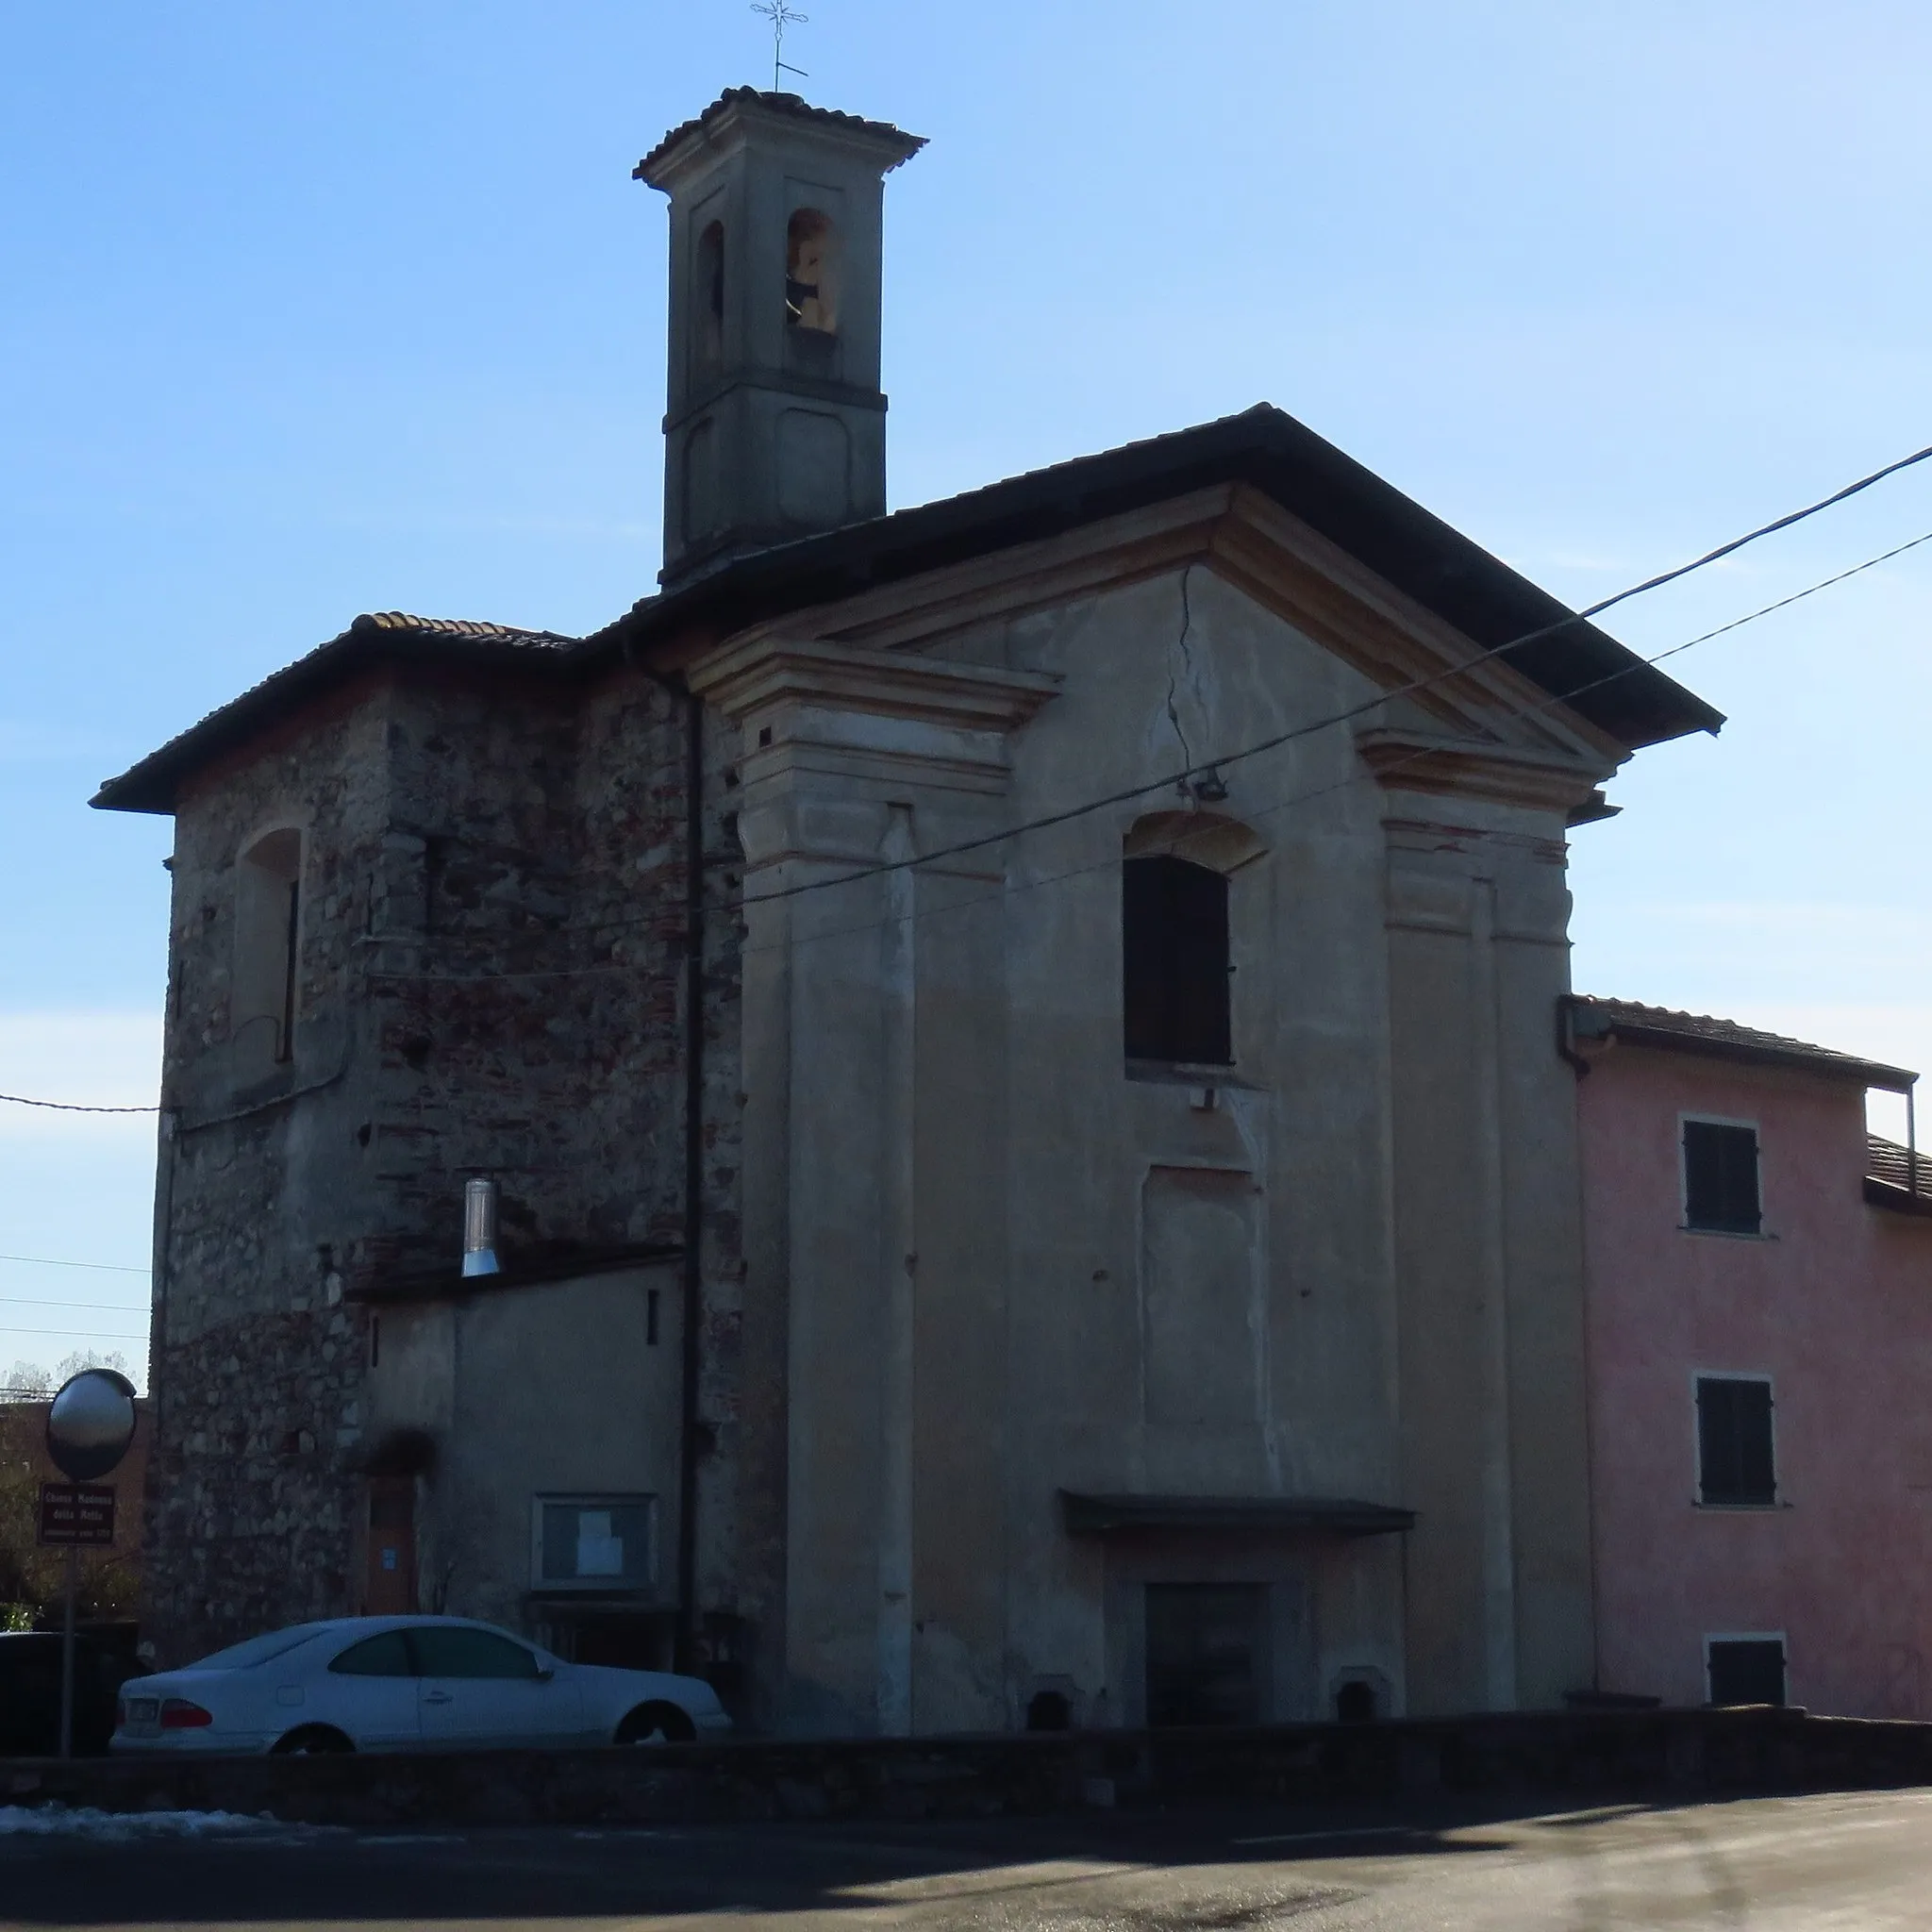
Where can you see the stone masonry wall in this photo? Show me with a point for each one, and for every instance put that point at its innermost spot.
(490, 980)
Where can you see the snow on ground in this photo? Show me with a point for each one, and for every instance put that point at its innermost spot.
(129, 1827)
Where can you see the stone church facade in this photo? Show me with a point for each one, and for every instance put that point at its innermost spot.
(1016, 1039)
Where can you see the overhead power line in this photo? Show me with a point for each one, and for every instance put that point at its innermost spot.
(74, 1107)
(91, 1334)
(924, 912)
(1173, 780)
(48, 1261)
(1298, 798)
(23, 1301)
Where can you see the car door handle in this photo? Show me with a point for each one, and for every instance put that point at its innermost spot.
(438, 1697)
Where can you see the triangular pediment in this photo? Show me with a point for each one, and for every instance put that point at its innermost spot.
(1444, 692)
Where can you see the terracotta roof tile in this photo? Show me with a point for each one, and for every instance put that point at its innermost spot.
(1699, 1033)
(375, 638)
(461, 628)
(1891, 1165)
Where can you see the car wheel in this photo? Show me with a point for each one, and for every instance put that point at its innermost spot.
(657, 1724)
(313, 1740)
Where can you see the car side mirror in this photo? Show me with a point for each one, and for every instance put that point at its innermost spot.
(545, 1673)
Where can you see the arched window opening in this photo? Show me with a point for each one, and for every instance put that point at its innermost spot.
(811, 272)
(268, 938)
(1174, 962)
(709, 287)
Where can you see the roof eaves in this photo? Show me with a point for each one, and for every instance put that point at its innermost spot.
(1705, 1036)
(375, 638)
(1482, 596)
(787, 107)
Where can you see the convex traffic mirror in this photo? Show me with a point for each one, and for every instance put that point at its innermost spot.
(90, 1424)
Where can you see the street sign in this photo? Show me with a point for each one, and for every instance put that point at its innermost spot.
(73, 1513)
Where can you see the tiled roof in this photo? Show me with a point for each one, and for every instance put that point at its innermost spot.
(1888, 1167)
(793, 107)
(1270, 451)
(382, 637)
(1263, 448)
(1699, 1033)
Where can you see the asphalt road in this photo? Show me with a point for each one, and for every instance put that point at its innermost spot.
(1861, 1861)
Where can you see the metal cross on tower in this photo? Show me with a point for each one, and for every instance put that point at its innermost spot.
(782, 16)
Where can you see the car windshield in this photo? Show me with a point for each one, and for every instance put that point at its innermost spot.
(259, 1650)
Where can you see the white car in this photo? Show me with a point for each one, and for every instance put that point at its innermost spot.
(406, 1684)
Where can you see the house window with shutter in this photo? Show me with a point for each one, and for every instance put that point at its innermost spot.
(1175, 962)
(1721, 1194)
(1735, 1466)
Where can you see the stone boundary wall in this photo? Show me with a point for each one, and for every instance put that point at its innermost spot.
(1682, 1754)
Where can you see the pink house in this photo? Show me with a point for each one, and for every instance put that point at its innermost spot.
(1760, 1327)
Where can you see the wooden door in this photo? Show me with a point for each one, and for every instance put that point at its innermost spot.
(392, 1591)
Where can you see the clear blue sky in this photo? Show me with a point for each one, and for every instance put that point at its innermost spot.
(317, 310)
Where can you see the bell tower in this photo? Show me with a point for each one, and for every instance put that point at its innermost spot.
(774, 426)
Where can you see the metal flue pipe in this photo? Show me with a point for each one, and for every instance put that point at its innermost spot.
(479, 1227)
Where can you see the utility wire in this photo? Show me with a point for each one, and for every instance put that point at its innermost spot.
(1174, 780)
(21, 1301)
(74, 1107)
(47, 1261)
(97, 1334)
(1356, 777)
(1549, 703)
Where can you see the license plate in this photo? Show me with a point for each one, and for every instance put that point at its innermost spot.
(144, 1710)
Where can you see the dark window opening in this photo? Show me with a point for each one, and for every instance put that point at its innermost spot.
(1721, 1178)
(376, 1341)
(1747, 1669)
(1734, 1447)
(1204, 1648)
(1174, 963)
(285, 1049)
(1049, 1711)
(710, 296)
(1354, 1704)
(650, 1317)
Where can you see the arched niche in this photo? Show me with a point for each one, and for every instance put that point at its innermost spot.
(268, 938)
(1210, 839)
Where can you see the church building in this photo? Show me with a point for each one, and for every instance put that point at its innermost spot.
(1002, 1058)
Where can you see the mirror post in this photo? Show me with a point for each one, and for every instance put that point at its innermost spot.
(67, 1656)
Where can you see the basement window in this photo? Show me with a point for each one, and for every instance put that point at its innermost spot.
(1174, 967)
(1736, 1461)
(1745, 1669)
(594, 1542)
(1720, 1193)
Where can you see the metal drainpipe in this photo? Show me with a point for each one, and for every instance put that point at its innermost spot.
(1911, 1141)
(685, 1638)
(693, 1176)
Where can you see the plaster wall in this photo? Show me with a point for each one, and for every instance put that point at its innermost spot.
(552, 1389)
(988, 1309)
(1832, 1303)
